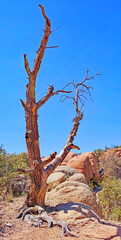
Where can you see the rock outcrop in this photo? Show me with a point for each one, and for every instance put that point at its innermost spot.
(82, 164)
(94, 164)
(74, 213)
(85, 163)
(18, 185)
(72, 191)
(68, 157)
(117, 151)
(61, 174)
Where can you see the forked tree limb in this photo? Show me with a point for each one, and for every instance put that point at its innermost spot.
(82, 86)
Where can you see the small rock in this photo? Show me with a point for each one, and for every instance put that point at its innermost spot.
(1, 212)
(9, 225)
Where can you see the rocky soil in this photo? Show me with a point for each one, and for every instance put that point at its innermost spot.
(16, 229)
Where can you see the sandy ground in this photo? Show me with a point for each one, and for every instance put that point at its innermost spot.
(16, 229)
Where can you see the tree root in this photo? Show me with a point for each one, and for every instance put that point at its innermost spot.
(28, 215)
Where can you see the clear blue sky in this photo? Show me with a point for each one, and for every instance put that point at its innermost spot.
(89, 35)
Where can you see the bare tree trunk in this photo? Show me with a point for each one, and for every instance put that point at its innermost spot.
(38, 173)
(37, 183)
(38, 177)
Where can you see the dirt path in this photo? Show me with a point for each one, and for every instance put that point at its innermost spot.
(16, 229)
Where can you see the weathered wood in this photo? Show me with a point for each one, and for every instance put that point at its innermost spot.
(38, 175)
(42, 216)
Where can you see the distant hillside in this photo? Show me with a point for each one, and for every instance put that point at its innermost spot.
(109, 162)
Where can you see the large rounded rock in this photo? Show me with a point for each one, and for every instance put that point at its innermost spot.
(82, 164)
(69, 156)
(79, 178)
(54, 179)
(72, 191)
(85, 163)
(68, 171)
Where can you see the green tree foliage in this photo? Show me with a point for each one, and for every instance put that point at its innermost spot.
(110, 199)
(9, 163)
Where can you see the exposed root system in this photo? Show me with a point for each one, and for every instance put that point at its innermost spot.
(36, 216)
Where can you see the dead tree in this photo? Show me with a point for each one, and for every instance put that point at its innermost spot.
(38, 171)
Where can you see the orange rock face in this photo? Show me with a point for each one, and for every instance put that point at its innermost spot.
(117, 152)
(68, 157)
(94, 164)
(85, 163)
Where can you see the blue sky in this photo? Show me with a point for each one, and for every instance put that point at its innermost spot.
(89, 35)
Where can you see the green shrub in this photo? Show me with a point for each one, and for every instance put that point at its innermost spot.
(98, 152)
(9, 163)
(110, 199)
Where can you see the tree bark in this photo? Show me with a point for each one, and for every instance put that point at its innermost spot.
(38, 176)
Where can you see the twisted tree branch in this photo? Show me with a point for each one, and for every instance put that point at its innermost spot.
(79, 87)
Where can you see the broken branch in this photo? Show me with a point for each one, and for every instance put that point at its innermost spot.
(27, 65)
(23, 104)
(28, 171)
(49, 159)
(52, 47)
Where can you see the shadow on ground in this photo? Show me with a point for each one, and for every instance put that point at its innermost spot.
(87, 212)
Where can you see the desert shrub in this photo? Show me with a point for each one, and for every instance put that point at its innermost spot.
(98, 152)
(9, 163)
(110, 199)
(111, 165)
